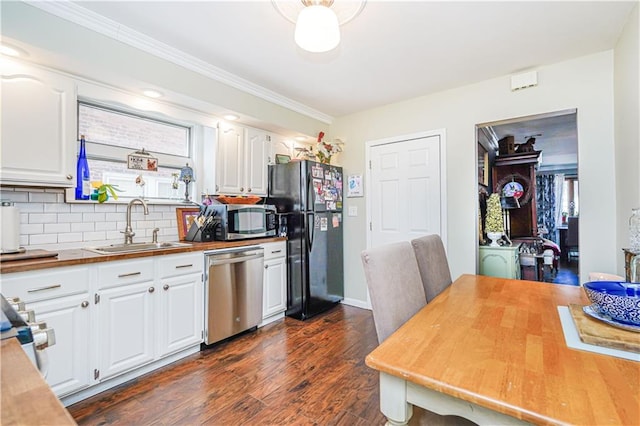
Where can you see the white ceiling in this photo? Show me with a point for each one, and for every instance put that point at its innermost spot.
(391, 51)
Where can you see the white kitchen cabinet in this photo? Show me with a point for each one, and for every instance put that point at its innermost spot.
(126, 324)
(243, 155)
(60, 297)
(275, 281)
(181, 307)
(70, 358)
(39, 140)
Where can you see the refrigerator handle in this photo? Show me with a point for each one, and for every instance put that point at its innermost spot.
(310, 228)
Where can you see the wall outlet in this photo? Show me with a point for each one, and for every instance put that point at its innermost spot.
(353, 210)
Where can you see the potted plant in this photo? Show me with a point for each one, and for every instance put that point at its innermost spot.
(494, 224)
(102, 192)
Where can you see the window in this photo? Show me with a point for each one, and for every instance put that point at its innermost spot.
(111, 135)
(570, 198)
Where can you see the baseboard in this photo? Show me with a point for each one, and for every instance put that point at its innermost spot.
(357, 303)
(115, 381)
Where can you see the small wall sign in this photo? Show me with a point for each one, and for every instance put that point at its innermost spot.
(142, 160)
(354, 186)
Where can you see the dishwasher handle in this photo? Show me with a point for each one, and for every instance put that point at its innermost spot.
(235, 257)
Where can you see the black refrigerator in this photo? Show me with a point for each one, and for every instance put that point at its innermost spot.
(308, 197)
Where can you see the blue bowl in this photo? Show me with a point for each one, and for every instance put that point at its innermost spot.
(619, 300)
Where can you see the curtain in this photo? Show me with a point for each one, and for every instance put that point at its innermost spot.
(546, 205)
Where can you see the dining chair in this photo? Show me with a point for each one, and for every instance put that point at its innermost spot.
(432, 264)
(394, 284)
(572, 237)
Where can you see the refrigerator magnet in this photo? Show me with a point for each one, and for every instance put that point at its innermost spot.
(323, 224)
(335, 221)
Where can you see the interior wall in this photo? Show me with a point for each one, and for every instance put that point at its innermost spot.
(627, 130)
(584, 83)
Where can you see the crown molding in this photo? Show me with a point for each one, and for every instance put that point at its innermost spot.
(110, 28)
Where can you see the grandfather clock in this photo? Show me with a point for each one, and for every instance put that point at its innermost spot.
(514, 178)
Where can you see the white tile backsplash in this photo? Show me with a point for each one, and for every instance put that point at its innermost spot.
(47, 222)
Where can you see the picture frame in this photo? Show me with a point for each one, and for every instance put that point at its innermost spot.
(483, 165)
(185, 217)
(282, 158)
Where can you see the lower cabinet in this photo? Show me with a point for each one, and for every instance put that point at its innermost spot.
(126, 323)
(500, 261)
(69, 359)
(148, 309)
(112, 318)
(180, 313)
(275, 281)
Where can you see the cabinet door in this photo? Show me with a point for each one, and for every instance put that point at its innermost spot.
(38, 126)
(180, 314)
(126, 324)
(257, 154)
(230, 162)
(70, 357)
(275, 287)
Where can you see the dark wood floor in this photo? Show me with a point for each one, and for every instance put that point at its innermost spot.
(286, 373)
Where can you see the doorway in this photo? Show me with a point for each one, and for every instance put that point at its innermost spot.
(532, 163)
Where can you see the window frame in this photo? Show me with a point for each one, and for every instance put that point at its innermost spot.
(203, 133)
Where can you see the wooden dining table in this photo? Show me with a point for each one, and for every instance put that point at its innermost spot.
(493, 350)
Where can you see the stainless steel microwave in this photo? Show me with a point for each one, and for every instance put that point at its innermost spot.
(242, 221)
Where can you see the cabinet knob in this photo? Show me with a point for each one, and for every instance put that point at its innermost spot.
(241, 189)
(69, 177)
(151, 289)
(248, 189)
(165, 287)
(217, 188)
(266, 266)
(84, 304)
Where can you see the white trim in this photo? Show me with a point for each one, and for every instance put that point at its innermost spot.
(100, 24)
(357, 303)
(442, 134)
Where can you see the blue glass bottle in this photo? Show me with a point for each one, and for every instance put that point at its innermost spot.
(83, 182)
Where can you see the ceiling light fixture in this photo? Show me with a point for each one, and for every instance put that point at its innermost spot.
(318, 21)
(231, 117)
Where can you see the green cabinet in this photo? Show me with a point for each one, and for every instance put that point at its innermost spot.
(500, 262)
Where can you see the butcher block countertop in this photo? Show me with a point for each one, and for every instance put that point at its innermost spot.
(26, 397)
(82, 257)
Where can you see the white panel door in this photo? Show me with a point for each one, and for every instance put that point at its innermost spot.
(405, 191)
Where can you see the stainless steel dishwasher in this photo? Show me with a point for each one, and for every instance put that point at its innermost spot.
(234, 291)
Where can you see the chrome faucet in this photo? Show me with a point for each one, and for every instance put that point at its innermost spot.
(128, 231)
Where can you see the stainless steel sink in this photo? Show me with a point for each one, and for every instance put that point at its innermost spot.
(134, 247)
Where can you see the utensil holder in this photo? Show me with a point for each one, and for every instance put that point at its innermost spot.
(202, 233)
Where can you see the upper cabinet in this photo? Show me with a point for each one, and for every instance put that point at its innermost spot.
(243, 155)
(38, 126)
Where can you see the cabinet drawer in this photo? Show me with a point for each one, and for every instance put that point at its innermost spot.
(46, 284)
(180, 264)
(274, 250)
(114, 274)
